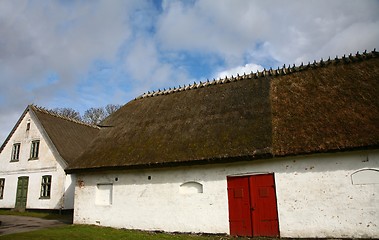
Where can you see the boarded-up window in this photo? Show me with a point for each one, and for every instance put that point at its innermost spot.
(104, 194)
(191, 188)
(365, 176)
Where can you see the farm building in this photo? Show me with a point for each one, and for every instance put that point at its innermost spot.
(292, 152)
(33, 159)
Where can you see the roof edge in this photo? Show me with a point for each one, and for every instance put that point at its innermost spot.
(49, 142)
(174, 164)
(264, 73)
(334, 150)
(53, 114)
(14, 128)
(219, 160)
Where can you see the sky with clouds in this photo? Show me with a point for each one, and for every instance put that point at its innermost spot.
(83, 54)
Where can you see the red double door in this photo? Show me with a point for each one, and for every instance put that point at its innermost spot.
(252, 206)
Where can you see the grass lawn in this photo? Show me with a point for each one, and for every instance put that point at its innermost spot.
(73, 232)
(81, 232)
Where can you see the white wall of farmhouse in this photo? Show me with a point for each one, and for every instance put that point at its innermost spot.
(46, 164)
(317, 196)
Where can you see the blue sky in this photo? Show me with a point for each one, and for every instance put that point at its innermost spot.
(83, 54)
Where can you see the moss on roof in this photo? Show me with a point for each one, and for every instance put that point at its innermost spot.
(329, 108)
(320, 107)
(206, 123)
(70, 137)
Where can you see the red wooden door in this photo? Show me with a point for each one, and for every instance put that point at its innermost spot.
(239, 206)
(252, 206)
(263, 202)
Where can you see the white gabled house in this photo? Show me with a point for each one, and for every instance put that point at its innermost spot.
(33, 159)
(292, 152)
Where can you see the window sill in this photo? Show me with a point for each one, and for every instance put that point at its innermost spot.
(44, 198)
(31, 159)
(15, 160)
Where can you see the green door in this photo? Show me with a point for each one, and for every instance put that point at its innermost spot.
(22, 193)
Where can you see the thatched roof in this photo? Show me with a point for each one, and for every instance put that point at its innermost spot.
(70, 137)
(327, 108)
(321, 107)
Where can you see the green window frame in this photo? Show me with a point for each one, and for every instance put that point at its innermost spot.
(45, 187)
(34, 150)
(16, 152)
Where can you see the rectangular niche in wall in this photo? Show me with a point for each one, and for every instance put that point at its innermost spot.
(104, 194)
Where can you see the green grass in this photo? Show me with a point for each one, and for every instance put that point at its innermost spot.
(81, 232)
(73, 232)
(27, 214)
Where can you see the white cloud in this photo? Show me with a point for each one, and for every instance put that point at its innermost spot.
(142, 60)
(247, 68)
(309, 29)
(227, 29)
(150, 48)
(39, 38)
(289, 31)
(149, 71)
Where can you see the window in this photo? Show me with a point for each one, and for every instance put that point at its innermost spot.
(28, 125)
(16, 152)
(34, 150)
(2, 182)
(46, 186)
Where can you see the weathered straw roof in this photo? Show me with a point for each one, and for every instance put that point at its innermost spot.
(69, 136)
(320, 107)
(332, 107)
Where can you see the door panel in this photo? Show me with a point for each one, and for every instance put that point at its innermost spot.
(252, 206)
(263, 201)
(22, 193)
(239, 206)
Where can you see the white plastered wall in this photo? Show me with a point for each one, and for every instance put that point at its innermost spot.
(315, 197)
(69, 191)
(46, 164)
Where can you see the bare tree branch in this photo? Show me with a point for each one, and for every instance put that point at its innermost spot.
(94, 115)
(111, 108)
(91, 116)
(67, 112)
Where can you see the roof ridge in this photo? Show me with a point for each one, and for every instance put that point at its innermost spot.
(54, 114)
(270, 72)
